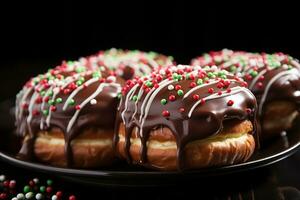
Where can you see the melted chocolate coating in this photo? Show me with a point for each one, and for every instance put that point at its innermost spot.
(270, 77)
(184, 114)
(46, 102)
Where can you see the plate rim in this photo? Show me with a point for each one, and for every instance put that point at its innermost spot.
(118, 173)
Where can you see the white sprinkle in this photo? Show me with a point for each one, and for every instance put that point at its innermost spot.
(56, 90)
(15, 198)
(54, 197)
(29, 195)
(36, 180)
(102, 68)
(38, 196)
(50, 82)
(2, 178)
(93, 102)
(20, 196)
(214, 67)
(162, 72)
(170, 87)
(285, 66)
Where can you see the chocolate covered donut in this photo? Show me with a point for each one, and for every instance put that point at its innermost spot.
(273, 78)
(66, 116)
(185, 117)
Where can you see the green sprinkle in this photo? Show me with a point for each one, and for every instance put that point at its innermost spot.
(199, 82)
(223, 76)
(58, 100)
(163, 101)
(97, 74)
(233, 68)
(211, 75)
(42, 189)
(50, 93)
(51, 102)
(49, 182)
(81, 79)
(70, 62)
(119, 95)
(45, 112)
(78, 82)
(42, 93)
(180, 92)
(206, 79)
(149, 84)
(179, 77)
(253, 73)
(71, 102)
(135, 98)
(175, 76)
(26, 188)
(80, 69)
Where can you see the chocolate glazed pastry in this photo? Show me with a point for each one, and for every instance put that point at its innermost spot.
(185, 117)
(66, 116)
(273, 78)
(128, 64)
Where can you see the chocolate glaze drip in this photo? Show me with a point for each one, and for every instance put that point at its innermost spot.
(189, 118)
(270, 77)
(40, 105)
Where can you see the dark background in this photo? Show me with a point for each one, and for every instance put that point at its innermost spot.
(36, 36)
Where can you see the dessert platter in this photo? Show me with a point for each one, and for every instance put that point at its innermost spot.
(123, 117)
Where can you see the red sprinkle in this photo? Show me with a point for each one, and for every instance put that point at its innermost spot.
(59, 194)
(31, 183)
(12, 184)
(35, 112)
(261, 78)
(196, 97)
(202, 101)
(172, 97)
(72, 197)
(259, 85)
(166, 113)
(77, 107)
(230, 103)
(6, 183)
(220, 85)
(53, 108)
(147, 90)
(210, 90)
(156, 85)
(66, 91)
(3, 196)
(25, 105)
(192, 84)
(177, 87)
(220, 93)
(248, 110)
(228, 90)
(49, 189)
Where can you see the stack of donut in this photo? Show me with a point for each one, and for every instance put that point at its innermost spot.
(141, 107)
(274, 79)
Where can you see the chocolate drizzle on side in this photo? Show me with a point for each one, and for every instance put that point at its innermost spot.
(193, 102)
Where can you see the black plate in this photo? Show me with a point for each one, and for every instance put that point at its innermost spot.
(123, 175)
